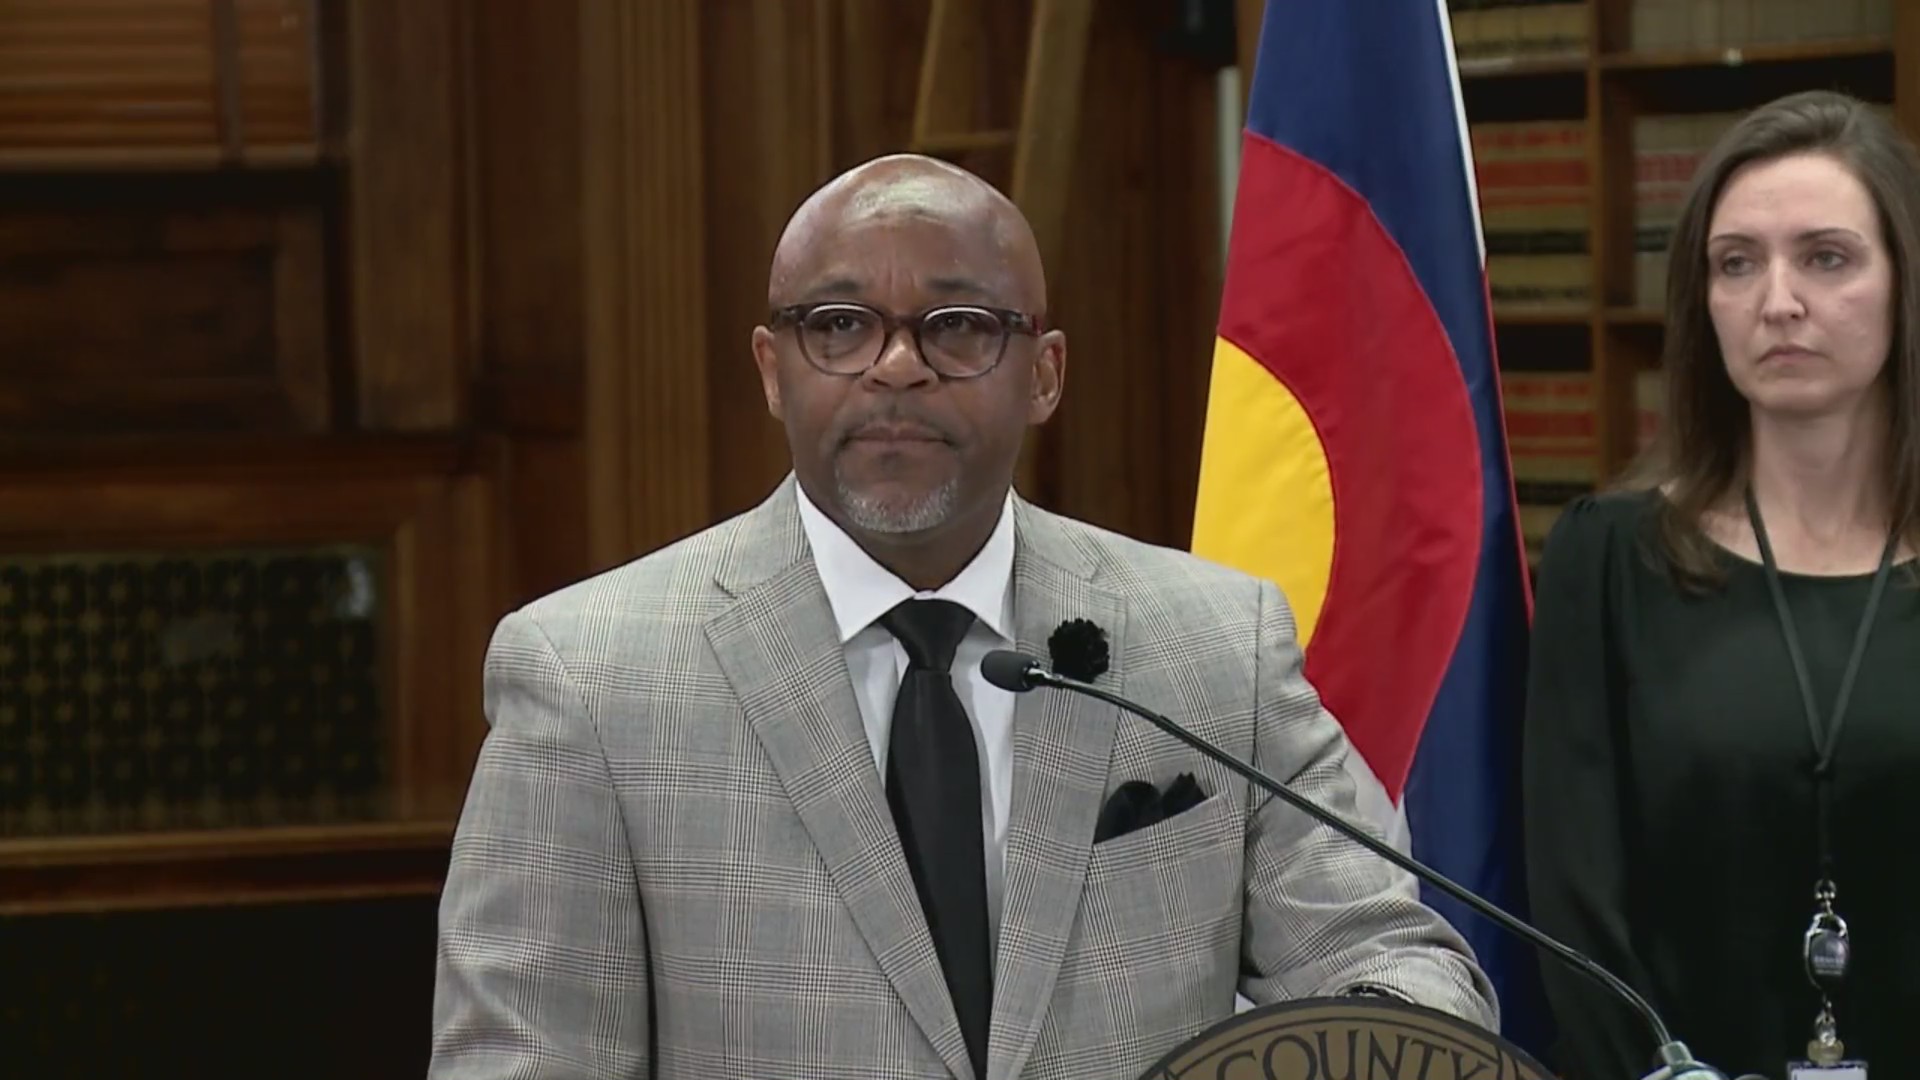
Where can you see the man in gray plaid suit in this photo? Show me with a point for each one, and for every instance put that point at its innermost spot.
(747, 809)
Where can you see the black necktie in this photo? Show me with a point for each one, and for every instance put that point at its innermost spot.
(933, 786)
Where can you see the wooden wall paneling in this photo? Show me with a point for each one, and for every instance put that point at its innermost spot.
(1188, 233)
(767, 145)
(163, 318)
(481, 565)
(857, 103)
(986, 92)
(200, 503)
(1044, 138)
(408, 210)
(1050, 108)
(161, 84)
(419, 654)
(1140, 231)
(1007, 30)
(647, 418)
(443, 589)
(965, 98)
(274, 75)
(777, 118)
(972, 109)
(543, 503)
(333, 76)
(1906, 65)
(300, 318)
(528, 254)
(432, 514)
(874, 85)
(529, 226)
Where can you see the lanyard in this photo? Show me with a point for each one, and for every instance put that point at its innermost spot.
(1826, 737)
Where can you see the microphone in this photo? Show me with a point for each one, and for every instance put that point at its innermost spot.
(1020, 672)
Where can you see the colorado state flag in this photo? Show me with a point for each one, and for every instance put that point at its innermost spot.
(1355, 452)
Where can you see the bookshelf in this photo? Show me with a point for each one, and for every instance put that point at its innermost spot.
(1588, 120)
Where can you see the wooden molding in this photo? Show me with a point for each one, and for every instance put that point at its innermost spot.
(645, 242)
(48, 875)
(408, 213)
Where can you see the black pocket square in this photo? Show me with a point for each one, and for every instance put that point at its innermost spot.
(1137, 804)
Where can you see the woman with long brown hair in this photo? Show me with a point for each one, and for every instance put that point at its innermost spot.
(1722, 762)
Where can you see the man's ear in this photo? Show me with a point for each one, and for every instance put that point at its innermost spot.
(1049, 377)
(767, 359)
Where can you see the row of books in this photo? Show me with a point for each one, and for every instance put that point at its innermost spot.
(1553, 439)
(1716, 24)
(1536, 212)
(1489, 32)
(1486, 31)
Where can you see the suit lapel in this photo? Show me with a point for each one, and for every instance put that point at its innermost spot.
(1062, 746)
(781, 651)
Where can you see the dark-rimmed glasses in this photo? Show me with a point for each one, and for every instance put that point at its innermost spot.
(958, 341)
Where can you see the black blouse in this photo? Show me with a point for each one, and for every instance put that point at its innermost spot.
(1669, 802)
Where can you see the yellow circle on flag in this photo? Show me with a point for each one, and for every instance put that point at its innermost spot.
(1265, 500)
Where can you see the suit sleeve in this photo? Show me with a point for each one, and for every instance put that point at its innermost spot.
(541, 967)
(1571, 791)
(1325, 916)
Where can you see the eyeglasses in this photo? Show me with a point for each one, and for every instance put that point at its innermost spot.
(961, 341)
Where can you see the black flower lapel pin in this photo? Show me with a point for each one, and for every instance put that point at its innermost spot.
(1078, 648)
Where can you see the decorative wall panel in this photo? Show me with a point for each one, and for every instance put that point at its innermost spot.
(191, 690)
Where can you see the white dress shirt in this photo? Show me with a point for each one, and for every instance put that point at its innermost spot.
(860, 590)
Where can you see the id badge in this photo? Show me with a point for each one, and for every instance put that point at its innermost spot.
(1839, 1070)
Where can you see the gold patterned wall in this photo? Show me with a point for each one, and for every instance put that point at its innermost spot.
(191, 690)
